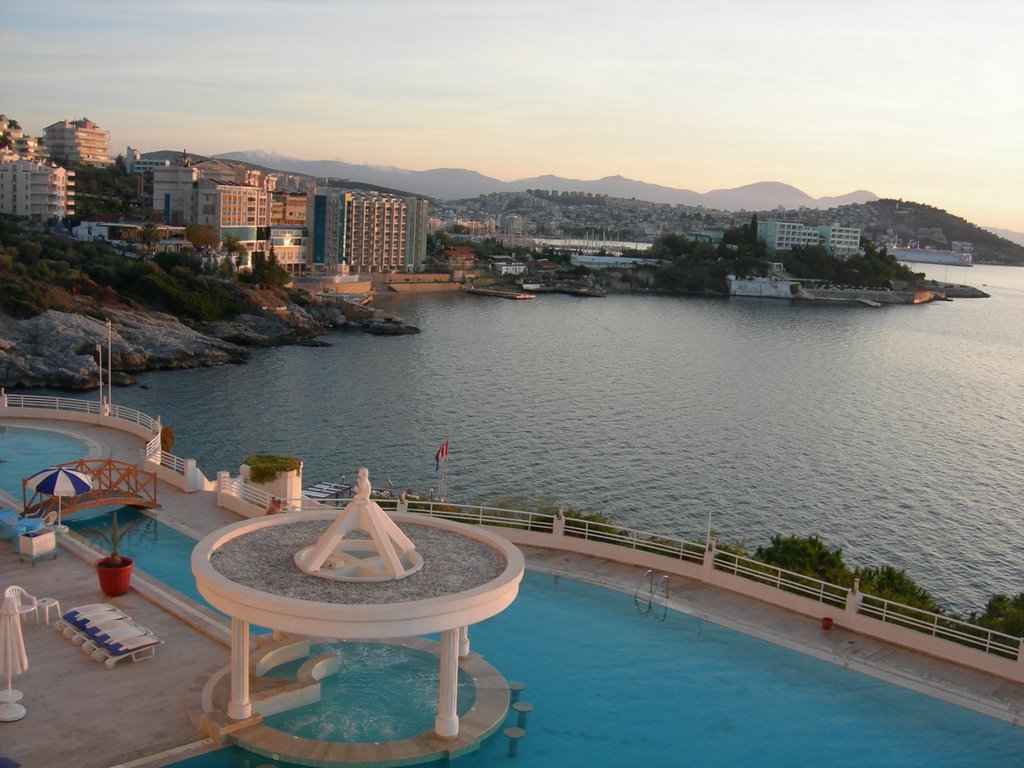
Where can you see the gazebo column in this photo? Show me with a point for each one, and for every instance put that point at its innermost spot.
(239, 707)
(446, 724)
(463, 642)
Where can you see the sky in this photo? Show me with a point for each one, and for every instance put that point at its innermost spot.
(915, 99)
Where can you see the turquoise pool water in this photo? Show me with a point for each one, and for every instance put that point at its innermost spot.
(611, 687)
(23, 452)
(381, 693)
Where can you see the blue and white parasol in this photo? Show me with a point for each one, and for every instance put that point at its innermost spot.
(60, 482)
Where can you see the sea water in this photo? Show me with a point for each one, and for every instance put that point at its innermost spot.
(893, 433)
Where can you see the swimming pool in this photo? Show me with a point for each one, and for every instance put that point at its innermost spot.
(610, 686)
(23, 452)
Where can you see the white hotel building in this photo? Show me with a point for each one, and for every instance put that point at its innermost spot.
(838, 241)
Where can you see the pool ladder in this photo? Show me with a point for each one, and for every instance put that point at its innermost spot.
(652, 599)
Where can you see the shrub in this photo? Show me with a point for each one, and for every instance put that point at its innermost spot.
(264, 467)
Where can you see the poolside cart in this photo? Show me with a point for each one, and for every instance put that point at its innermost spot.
(38, 544)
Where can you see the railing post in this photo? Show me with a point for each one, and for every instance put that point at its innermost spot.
(709, 556)
(853, 599)
(222, 487)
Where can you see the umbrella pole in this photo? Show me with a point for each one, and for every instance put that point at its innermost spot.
(61, 528)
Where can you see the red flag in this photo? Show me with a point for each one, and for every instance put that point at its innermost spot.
(442, 453)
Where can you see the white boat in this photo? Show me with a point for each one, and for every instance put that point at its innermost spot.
(918, 255)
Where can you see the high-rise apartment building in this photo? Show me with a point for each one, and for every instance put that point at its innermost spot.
(417, 228)
(375, 236)
(368, 231)
(78, 141)
(36, 190)
(325, 226)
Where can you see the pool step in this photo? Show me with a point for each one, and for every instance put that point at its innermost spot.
(270, 696)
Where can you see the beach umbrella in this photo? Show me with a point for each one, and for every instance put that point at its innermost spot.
(13, 660)
(60, 482)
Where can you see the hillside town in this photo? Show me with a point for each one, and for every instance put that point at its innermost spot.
(328, 230)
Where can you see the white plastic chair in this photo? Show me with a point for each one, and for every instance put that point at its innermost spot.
(26, 603)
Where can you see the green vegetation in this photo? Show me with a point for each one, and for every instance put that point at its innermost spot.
(110, 189)
(41, 271)
(265, 467)
(110, 534)
(1003, 614)
(701, 268)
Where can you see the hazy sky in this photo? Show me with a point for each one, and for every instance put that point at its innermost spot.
(919, 99)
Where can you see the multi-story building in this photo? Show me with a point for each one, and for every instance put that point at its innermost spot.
(288, 244)
(288, 209)
(786, 235)
(325, 226)
(78, 141)
(134, 162)
(418, 227)
(842, 242)
(174, 193)
(35, 190)
(375, 237)
(234, 210)
(14, 139)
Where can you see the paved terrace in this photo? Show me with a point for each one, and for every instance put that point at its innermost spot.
(82, 714)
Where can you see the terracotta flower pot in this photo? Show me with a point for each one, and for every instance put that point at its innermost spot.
(826, 623)
(115, 580)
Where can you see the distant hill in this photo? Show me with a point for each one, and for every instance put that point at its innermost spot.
(935, 228)
(457, 183)
(1009, 234)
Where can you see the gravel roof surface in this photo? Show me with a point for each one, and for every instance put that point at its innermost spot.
(264, 560)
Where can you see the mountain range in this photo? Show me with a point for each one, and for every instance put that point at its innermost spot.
(457, 183)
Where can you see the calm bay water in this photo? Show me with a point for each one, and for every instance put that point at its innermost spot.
(895, 433)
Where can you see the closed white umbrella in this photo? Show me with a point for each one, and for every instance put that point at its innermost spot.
(13, 659)
(60, 482)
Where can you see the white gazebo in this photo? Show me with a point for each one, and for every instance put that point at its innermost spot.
(357, 574)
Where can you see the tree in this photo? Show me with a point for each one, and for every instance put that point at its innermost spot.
(149, 237)
(1003, 614)
(201, 236)
(808, 555)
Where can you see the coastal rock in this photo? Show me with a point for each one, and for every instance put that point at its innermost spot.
(58, 349)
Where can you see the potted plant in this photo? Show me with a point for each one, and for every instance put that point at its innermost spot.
(114, 570)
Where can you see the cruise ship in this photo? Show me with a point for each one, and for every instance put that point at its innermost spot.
(914, 254)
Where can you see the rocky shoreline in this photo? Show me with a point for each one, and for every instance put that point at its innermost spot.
(59, 349)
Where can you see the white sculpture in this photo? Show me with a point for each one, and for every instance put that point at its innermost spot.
(387, 554)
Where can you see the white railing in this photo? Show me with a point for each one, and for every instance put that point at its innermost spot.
(937, 625)
(75, 405)
(631, 538)
(789, 581)
(933, 624)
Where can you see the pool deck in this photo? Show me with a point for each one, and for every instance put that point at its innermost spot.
(135, 715)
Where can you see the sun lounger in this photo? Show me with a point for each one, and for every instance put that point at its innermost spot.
(134, 648)
(113, 632)
(70, 625)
